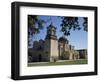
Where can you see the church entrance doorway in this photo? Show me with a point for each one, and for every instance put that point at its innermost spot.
(40, 57)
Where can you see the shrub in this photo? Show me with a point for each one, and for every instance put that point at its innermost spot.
(65, 55)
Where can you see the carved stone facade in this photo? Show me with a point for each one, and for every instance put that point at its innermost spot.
(52, 49)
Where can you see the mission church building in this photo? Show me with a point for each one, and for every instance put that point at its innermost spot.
(52, 49)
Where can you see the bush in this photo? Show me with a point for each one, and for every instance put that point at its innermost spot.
(54, 59)
(65, 55)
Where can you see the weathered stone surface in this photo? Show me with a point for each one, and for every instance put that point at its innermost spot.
(51, 49)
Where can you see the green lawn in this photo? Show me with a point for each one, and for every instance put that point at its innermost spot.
(70, 62)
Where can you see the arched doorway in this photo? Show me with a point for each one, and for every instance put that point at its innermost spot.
(40, 57)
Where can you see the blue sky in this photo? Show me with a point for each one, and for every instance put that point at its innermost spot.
(76, 38)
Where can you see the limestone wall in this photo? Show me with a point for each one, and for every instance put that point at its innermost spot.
(54, 48)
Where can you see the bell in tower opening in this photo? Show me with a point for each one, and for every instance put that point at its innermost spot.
(52, 42)
(51, 32)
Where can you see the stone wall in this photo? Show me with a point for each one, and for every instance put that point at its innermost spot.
(82, 53)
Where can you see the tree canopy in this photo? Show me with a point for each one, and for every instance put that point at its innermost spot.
(69, 23)
(34, 26)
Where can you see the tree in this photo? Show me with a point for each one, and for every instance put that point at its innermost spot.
(85, 24)
(34, 26)
(69, 23)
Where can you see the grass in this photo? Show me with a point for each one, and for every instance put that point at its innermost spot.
(70, 62)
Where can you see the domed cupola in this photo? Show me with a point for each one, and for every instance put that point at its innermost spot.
(63, 40)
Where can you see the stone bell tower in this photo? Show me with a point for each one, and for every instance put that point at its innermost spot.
(52, 43)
